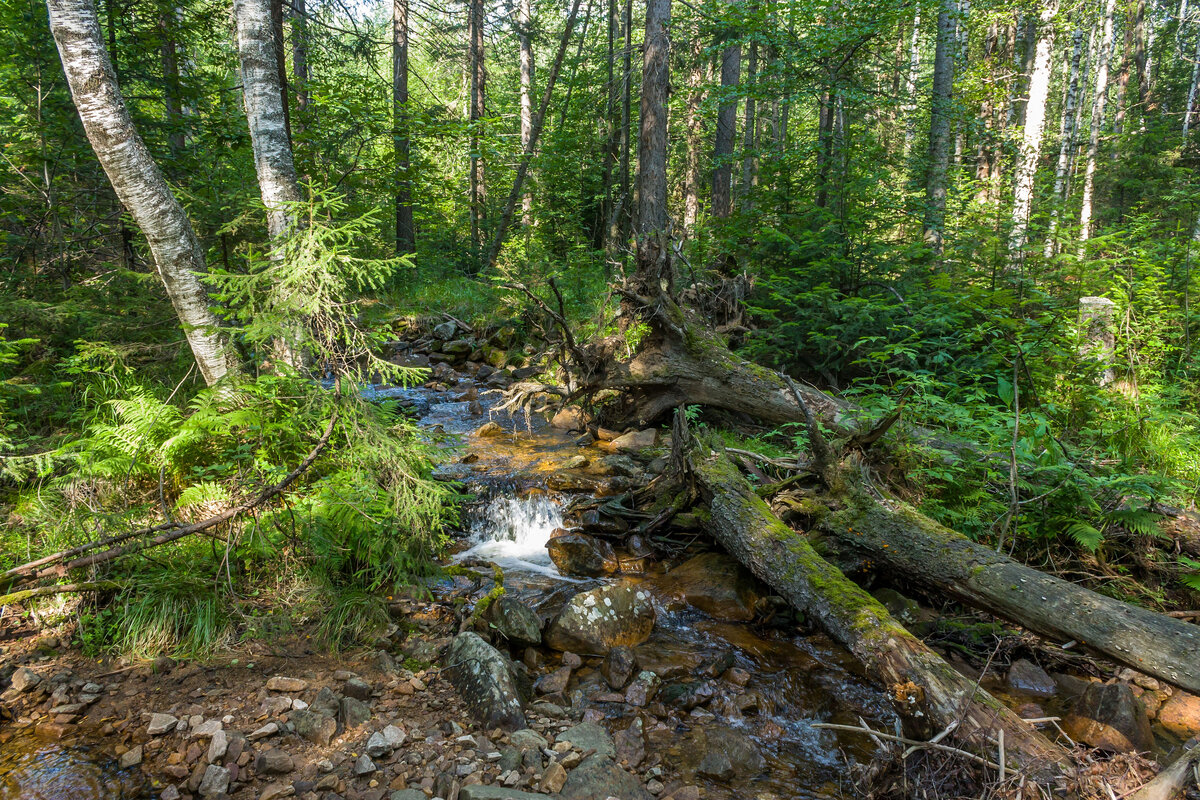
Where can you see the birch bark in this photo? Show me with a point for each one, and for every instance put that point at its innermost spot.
(1104, 52)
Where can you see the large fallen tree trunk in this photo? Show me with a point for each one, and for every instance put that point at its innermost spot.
(929, 693)
(894, 534)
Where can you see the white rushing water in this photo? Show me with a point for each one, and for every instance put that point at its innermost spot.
(513, 531)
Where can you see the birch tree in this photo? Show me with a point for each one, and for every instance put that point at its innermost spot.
(1030, 147)
(1066, 140)
(138, 181)
(1104, 53)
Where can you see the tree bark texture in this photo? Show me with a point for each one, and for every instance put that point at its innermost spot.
(406, 234)
(257, 54)
(653, 263)
(1104, 49)
(524, 28)
(1066, 142)
(478, 75)
(722, 189)
(1030, 149)
(138, 181)
(940, 108)
(927, 692)
(750, 126)
(693, 181)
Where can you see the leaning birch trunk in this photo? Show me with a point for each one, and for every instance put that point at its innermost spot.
(137, 180)
(928, 693)
(939, 128)
(1103, 54)
(1031, 145)
(893, 534)
(1066, 141)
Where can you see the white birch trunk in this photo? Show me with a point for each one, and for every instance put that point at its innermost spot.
(265, 114)
(1031, 144)
(1067, 141)
(910, 83)
(1191, 98)
(1103, 54)
(138, 181)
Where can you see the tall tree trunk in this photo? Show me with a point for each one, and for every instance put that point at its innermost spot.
(258, 54)
(281, 65)
(987, 113)
(623, 210)
(694, 179)
(171, 85)
(750, 126)
(909, 105)
(610, 127)
(1193, 87)
(478, 187)
(731, 68)
(1123, 81)
(1066, 141)
(1103, 52)
(535, 133)
(524, 28)
(406, 234)
(940, 107)
(653, 260)
(300, 55)
(138, 181)
(1030, 150)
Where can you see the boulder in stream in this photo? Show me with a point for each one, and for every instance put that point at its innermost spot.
(724, 754)
(580, 554)
(1109, 717)
(596, 621)
(717, 585)
(515, 621)
(485, 679)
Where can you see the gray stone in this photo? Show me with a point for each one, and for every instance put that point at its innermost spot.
(281, 684)
(723, 753)
(314, 726)
(1025, 676)
(270, 729)
(24, 679)
(528, 739)
(480, 792)
(131, 757)
(485, 679)
(218, 746)
(358, 689)
(618, 666)
(327, 702)
(161, 723)
(445, 331)
(410, 794)
(215, 781)
(598, 777)
(514, 620)
(355, 713)
(206, 729)
(377, 746)
(273, 762)
(589, 736)
(170, 793)
(364, 766)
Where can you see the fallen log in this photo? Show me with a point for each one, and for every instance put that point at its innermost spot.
(929, 694)
(893, 533)
(1175, 777)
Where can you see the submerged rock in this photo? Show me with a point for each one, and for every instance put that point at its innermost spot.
(1025, 676)
(724, 754)
(596, 621)
(580, 554)
(717, 585)
(1110, 718)
(485, 679)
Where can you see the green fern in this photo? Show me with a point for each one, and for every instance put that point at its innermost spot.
(1085, 535)
(1191, 578)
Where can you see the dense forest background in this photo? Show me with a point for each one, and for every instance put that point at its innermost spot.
(911, 200)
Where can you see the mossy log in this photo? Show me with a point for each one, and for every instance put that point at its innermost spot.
(928, 693)
(911, 545)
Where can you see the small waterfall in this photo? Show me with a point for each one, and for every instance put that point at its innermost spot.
(513, 531)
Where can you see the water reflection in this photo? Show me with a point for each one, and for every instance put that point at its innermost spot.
(38, 767)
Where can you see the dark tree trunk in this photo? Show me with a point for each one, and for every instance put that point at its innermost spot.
(406, 235)
(653, 261)
(722, 190)
(939, 129)
(478, 187)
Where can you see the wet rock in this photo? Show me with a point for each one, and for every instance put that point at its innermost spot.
(571, 418)
(553, 682)
(280, 683)
(161, 723)
(631, 743)
(717, 585)
(598, 777)
(635, 440)
(515, 621)
(1025, 676)
(580, 554)
(24, 679)
(1181, 715)
(724, 754)
(643, 688)
(688, 695)
(589, 736)
(131, 757)
(273, 762)
(1110, 718)
(618, 666)
(489, 429)
(215, 781)
(596, 621)
(480, 792)
(593, 520)
(354, 712)
(486, 681)
(357, 688)
(314, 726)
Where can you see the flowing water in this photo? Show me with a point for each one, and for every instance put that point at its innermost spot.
(35, 766)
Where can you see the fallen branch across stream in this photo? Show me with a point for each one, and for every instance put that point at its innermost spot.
(53, 565)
